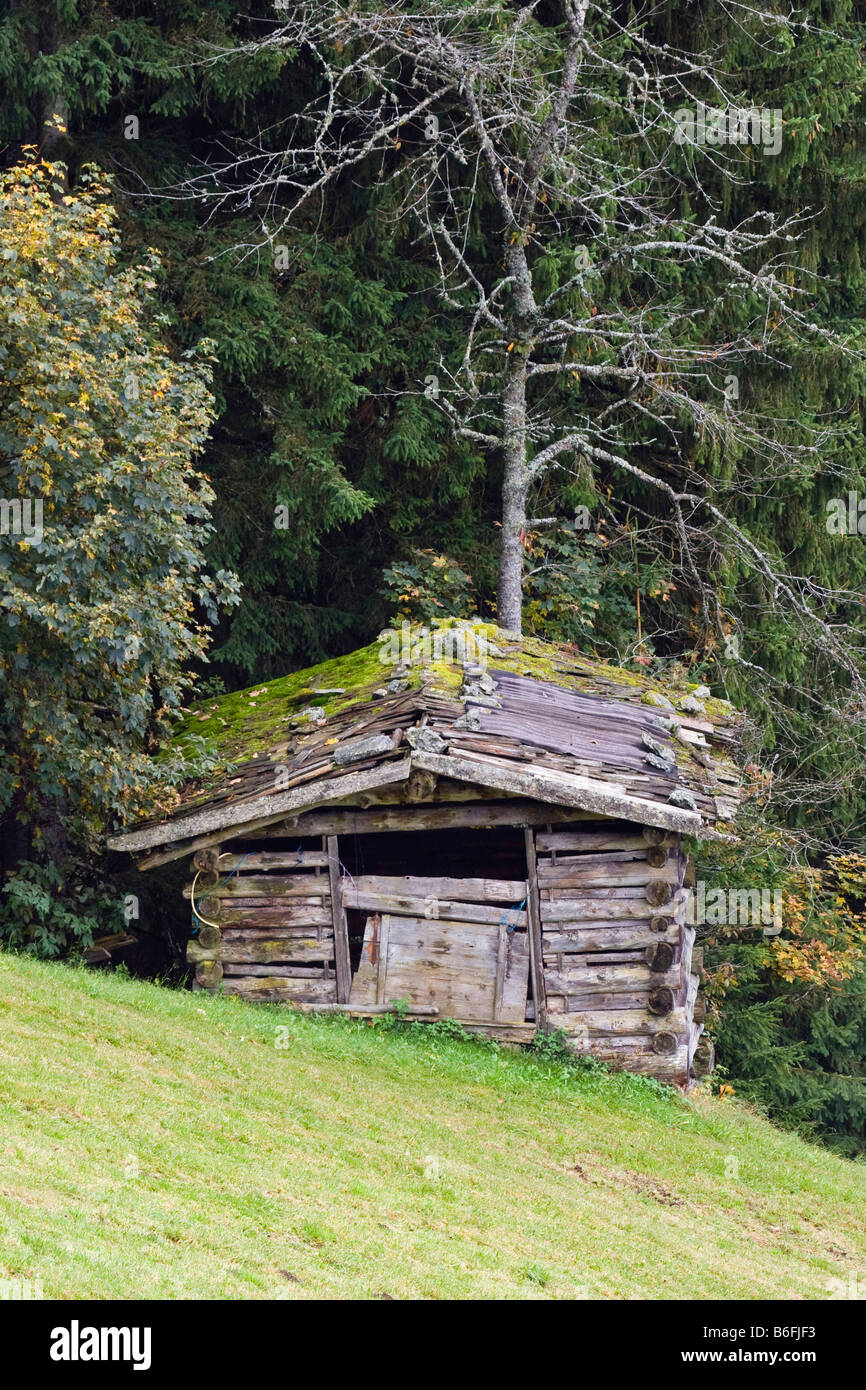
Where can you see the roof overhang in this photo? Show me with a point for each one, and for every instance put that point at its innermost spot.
(539, 784)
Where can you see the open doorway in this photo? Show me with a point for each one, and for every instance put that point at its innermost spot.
(438, 919)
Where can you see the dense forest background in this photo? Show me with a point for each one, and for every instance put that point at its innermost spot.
(322, 350)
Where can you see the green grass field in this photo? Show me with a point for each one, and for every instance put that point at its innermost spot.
(159, 1144)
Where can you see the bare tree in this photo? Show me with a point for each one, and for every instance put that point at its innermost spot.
(595, 339)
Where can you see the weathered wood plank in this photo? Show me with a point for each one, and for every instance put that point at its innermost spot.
(623, 893)
(602, 979)
(562, 787)
(371, 1011)
(280, 988)
(381, 979)
(341, 930)
(589, 999)
(502, 1032)
(604, 936)
(619, 874)
(294, 972)
(635, 1022)
(499, 982)
(365, 979)
(484, 890)
(562, 958)
(206, 827)
(589, 910)
(322, 932)
(269, 913)
(272, 859)
(612, 858)
(539, 992)
(268, 886)
(511, 1007)
(597, 841)
(263, 950)
(483, 815)
(432, 908)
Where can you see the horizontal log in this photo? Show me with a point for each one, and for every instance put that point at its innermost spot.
(370, 1011)
(271, 859)
(477, 815)
(622, 873)
(635, 1022)
(559, 959)
(482, 890)
(628, 936)
(662, 1000)
(578, 1004)
(571, 1022)
(264, 886)
(659, 891)
(204, 827)
(206, 908)
(620, 893)
(549, 784)
(589, 841)
(294, 972)
(263, 950)
(268, 914)
(580, 910)
(586, 977)
(278, 989)
(296, 932)
(657, 857)
(502, 1032)
(432, 908)
(592, 859)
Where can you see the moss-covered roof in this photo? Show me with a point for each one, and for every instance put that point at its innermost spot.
(466, 682)
(265, 718)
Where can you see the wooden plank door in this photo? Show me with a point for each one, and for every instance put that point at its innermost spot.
(469, 959)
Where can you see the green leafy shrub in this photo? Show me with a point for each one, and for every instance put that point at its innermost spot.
(44, 912)
(428, 586)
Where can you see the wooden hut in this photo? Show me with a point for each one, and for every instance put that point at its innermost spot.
(484, 827)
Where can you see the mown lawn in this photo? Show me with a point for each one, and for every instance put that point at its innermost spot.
(160, 1144)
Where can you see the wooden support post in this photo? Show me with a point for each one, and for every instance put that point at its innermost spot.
(536, 963)
(501, 965)
(341, 930)
(382, 976)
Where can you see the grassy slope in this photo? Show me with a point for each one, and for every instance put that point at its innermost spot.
(157, 1144)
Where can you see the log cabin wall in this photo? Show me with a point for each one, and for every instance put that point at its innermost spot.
(616, 950)
(263, 924)
(593, 941)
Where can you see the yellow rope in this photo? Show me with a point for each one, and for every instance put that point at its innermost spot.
(195, 912)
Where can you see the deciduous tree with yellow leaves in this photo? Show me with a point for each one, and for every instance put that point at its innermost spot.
(103, 591)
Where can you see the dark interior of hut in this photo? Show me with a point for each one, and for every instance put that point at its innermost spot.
(498, 854)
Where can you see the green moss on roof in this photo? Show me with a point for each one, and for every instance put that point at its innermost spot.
(264, 718)
(249, 722)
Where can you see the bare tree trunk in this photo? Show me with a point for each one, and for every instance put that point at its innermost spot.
(515, 486)
(516, 470)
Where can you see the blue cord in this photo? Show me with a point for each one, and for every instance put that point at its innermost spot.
(519, 908)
